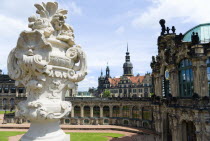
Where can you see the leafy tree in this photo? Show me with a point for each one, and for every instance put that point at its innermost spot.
(106, 93)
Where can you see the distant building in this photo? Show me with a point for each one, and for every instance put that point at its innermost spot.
(84, 94)
(127, 85)
(9, 93)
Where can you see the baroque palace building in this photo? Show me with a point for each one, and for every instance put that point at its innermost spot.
(181, 73)
(127, 85)
(179, 109)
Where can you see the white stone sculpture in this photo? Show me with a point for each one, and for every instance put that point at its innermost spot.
(47, 62)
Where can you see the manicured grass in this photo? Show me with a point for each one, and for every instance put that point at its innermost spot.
(74, 136)
(92, 136)
(2, 112)
(5, 134)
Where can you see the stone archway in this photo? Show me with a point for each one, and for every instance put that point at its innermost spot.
(188, 131)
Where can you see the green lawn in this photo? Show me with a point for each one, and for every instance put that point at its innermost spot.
(2, 112)
(74, 136)
(5, 134)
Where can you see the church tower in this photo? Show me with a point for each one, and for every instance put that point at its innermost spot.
(127, 66)
(107, 71)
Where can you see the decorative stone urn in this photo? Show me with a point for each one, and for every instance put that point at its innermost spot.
(47, 62)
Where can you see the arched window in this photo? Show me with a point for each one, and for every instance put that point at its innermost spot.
(87, 111)
(96, 111)
(12, 102)
(185, 78)
(125, 111)
(208, 72)
(166, 84)
(77, 112)
(4, 101)
(135, 112)
(116, 111)
(106, 111)
(147, 113)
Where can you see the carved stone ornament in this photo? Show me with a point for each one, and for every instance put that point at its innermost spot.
(47, 62)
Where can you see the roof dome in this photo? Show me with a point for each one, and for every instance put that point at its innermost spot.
(203, 31)
(128, 64)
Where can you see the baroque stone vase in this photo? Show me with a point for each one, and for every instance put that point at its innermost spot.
(47, 62)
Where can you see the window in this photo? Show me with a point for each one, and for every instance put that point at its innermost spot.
(77, 111)
(134, 90)
(86, 121)
(135, 112)
(13, 90)
(125, 111)
(166, 90)
(6, 90)
(21, 90)
(116, 111)
(185, 78)
(208, 72)
(86, 111)
(12, 102)
(145, 89)
(106, 111)
(147, 113)
(96, 111)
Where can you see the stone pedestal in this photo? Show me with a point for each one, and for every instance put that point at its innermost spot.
(45, 131)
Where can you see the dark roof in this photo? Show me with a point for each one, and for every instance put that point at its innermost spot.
(6, 79)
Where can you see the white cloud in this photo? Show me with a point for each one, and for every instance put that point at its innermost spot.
(196, 11)
(71, 6)
(10, 29)
(89, 81)
(120, 30)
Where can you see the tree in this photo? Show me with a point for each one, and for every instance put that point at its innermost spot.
(106, 93)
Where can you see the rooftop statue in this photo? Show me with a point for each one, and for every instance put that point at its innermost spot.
(162, 24)
(47, 62)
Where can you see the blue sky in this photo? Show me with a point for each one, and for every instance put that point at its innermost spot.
(104, 27)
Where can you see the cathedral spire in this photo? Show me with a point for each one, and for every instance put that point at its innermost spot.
(107, 71)
(127, 57)
(127, 66)
(101, 72)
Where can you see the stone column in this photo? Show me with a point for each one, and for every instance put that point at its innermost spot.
(174, 82)
(91, 111)
(200, 77)
(158, 85)
(101, 111)
(199, 132)
(130, 111)
(16, 91)
(111, 111)
(72, 112)
(121, 114)
(82, 111)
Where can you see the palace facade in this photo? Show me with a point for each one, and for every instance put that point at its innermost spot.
(181, 72)
(127, 85)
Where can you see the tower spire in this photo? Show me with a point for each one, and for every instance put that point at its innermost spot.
(127, 66)
(101, 72)
(107, 71)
